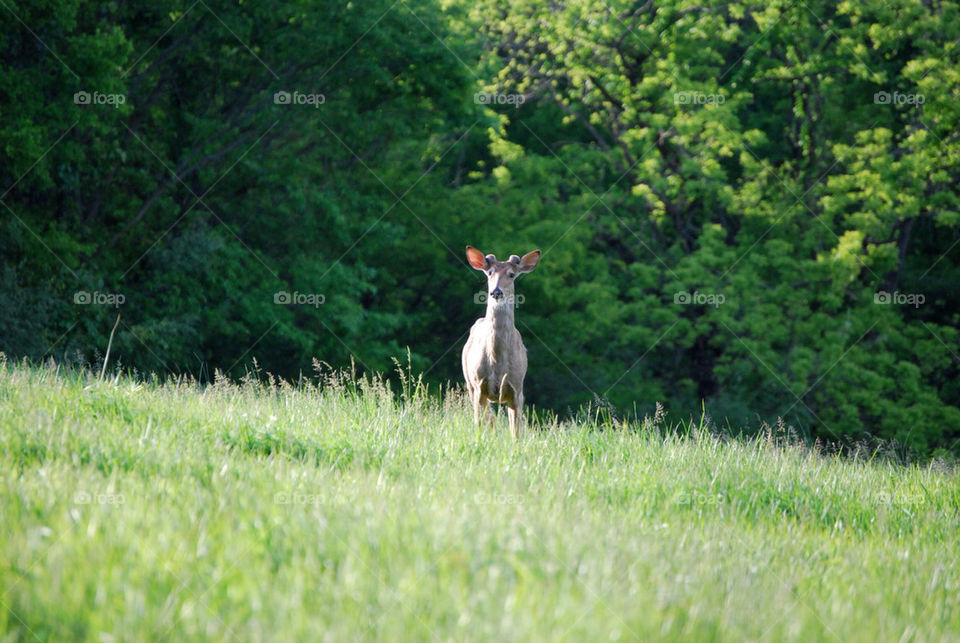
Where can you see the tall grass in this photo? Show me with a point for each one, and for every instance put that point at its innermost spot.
(346, 508)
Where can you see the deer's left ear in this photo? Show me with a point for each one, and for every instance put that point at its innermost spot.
(476, 259)
(529, 261)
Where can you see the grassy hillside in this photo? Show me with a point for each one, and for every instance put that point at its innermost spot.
(140, 511)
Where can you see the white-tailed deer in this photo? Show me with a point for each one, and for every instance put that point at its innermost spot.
(494, 359)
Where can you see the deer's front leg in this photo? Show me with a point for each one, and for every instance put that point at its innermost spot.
(515, 415)
(514, 423)
(477, 400)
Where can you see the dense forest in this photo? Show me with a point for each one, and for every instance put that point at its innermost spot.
(747, 207)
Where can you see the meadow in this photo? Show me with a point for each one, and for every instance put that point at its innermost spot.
(343, 508)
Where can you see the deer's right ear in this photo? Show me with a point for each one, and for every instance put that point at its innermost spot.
(476, 258)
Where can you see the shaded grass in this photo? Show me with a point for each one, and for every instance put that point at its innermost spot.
(346, 510)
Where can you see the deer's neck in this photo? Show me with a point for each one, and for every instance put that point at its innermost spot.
(500, 315)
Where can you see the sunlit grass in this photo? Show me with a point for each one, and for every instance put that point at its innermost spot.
(133, 510)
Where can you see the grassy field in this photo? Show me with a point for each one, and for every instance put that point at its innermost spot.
(139, 511)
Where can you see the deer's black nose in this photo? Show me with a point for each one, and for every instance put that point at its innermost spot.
(497, 293)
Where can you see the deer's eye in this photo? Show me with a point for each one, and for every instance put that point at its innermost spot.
(490, 272)
(511, 275)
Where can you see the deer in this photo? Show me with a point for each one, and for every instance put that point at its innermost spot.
(494, 358)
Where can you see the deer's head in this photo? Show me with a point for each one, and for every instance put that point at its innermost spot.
(502, 274)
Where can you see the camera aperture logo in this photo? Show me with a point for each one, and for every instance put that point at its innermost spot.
(899, 298)
(697, 298)
(96, 98)
(96, 298)
(298, 98)
(297, 298)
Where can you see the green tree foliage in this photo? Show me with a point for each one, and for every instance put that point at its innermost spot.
(737, 190)
(747, 204)
(201, 200)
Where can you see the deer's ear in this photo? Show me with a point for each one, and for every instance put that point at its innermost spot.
(529, 261)
(476, 258)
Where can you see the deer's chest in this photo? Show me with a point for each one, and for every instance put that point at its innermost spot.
(503, 365)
